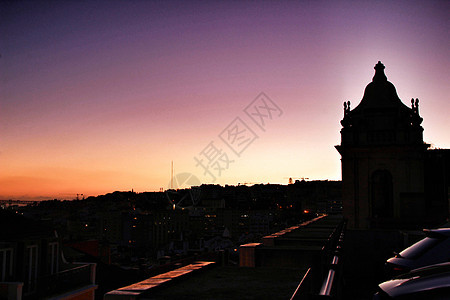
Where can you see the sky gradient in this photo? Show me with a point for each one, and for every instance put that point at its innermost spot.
(98, 96)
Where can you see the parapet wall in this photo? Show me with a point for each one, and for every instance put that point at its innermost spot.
(296, 246)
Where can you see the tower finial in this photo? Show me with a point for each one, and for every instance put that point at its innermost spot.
(379, 72)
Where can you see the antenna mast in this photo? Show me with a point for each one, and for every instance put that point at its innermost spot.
(171, 177)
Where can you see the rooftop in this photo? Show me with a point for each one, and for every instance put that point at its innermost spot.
(227, 282)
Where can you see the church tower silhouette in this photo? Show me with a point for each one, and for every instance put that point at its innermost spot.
(382, 156)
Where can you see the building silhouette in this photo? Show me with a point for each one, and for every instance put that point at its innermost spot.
(32, 265)
(389, 177)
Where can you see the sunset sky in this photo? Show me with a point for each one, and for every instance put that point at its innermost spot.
(98, 96)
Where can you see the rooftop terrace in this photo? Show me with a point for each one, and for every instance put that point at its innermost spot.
(229, 282)
(268, 270)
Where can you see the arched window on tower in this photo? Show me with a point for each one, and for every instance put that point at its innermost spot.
(382, 194)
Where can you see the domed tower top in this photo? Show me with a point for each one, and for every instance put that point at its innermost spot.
(380, 92)
(381, 118)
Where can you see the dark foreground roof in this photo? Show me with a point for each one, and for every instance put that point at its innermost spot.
(235, 283)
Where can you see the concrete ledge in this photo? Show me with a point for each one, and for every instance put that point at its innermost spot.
(143, 288)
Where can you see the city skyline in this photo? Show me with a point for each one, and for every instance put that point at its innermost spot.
(103, 96)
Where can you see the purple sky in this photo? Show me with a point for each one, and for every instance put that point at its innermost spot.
(97, 96)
